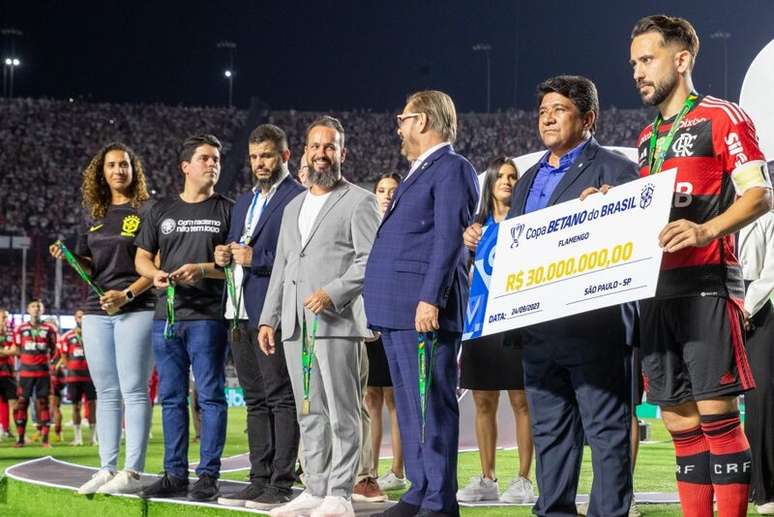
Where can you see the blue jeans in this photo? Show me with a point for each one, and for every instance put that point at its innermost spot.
(118, 350)
(201, 346)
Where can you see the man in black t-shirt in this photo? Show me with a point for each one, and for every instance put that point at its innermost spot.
(188, 328)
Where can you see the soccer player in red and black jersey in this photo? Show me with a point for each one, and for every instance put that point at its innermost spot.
(79, 384)
(57, 372)
(7, 375)
(693, 356)
(36, 344)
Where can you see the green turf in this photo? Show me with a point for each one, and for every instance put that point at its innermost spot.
(655, 472)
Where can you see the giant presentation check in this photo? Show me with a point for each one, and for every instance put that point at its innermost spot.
(570, 258)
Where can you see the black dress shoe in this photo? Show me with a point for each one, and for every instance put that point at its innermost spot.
(399, 509)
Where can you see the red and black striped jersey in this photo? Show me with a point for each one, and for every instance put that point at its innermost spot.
(36, 346)
(6, 361)
(715, 141)
(71, 345)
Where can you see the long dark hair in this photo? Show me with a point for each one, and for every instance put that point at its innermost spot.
(487, 197)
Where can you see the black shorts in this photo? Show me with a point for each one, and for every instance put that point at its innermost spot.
(378, 369)
(41, 386)
(692, 349)
(76, 390)
(8, 388)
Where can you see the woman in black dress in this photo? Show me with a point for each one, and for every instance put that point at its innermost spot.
(490, 364)
(379, 392)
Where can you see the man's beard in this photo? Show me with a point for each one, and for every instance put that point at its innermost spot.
(327, 178)
(266, 184)
(661, 91)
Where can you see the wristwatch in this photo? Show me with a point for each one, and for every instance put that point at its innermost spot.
(129, 294)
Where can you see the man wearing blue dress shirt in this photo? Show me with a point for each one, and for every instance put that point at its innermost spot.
(574, 366)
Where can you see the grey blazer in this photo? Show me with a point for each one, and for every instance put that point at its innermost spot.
(333, 259)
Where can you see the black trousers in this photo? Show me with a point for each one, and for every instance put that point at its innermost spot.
(272, 427)
(759, 405)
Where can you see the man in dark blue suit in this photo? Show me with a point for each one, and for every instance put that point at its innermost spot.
(416, 286)
(574, 367)
(272, 427)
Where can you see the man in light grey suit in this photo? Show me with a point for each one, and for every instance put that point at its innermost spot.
(315, 295)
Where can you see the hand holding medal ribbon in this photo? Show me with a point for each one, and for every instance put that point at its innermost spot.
(76, 265)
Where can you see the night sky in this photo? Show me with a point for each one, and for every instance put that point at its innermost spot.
(355, 54)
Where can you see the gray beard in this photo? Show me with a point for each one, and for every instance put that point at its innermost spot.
(327, 179)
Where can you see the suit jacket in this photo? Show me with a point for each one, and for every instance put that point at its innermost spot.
(418, 253)
(333, 259)
(596, 166)
(263, 240)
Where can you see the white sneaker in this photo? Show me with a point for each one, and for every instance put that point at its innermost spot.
(334, 506)
(519, 491)
(765, 509)
(390, 481)
(97, 480)
(76, 443)
(125, 482)
(479, 489)
(304, 503)
(634, 510)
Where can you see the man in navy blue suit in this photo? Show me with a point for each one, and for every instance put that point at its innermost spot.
(574, 367)
(416, 287)
(272, 428)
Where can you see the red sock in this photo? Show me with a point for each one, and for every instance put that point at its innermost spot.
(694, 483)
(730, 462)
(4, 414)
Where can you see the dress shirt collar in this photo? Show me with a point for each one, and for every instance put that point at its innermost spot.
(568, 158)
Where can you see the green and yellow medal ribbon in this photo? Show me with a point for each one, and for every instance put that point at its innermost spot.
(425, 357)
(657, 150)
(307, 359)
(169, 325)
(76, 265)
(235, 295)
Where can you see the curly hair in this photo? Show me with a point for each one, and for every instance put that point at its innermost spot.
(95, 190)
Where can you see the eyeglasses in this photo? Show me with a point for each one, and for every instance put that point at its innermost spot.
(404, 116)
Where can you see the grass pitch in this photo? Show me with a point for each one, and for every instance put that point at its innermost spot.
(654, 473)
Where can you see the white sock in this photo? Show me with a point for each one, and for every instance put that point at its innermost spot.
(77, 430)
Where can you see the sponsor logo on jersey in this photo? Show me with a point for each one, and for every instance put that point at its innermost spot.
(96, 227)
(735, 149)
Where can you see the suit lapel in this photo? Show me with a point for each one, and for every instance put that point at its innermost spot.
(276, 200)
(574, 171)
(336, 194)
(405, 185)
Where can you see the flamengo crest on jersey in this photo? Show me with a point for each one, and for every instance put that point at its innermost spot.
(716, 140)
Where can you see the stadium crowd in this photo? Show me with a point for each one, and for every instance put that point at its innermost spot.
(39, 189)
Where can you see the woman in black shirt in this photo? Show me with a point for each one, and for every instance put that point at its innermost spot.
(117, 326)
